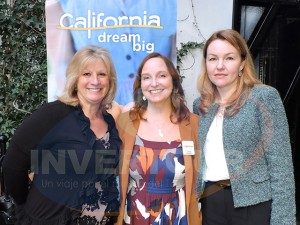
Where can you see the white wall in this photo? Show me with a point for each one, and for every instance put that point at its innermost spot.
(210, 15)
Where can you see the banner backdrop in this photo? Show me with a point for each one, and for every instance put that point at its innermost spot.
(128, 29)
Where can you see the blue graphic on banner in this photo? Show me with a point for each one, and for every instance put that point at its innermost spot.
(128, 29)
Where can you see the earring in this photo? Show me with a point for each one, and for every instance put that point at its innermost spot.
(144, 98)
(240, 73)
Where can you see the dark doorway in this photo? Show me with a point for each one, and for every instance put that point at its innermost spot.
(273, 34)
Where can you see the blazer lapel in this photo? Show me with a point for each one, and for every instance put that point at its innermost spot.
(185, 134)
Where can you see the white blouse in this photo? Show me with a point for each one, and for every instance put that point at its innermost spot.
(216, 167)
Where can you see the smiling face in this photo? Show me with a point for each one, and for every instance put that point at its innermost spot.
(223, 64)
(156, 81)
(93, 82)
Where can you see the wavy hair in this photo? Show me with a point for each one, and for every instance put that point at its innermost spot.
(79, 60)
(246, 81)
(180, 111)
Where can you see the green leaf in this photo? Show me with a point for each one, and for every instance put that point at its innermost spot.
(23, 78)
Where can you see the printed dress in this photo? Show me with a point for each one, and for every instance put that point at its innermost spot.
(156, 189)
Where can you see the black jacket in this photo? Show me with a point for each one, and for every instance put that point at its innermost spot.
(57, 144)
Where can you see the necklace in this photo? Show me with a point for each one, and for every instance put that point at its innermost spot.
(221, 111)
(159, 126)
(163, 130)
(166, 130)
(219, 115)
(160, 133)
(159, 130)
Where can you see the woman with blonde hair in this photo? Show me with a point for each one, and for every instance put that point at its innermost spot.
(72, 147)
(246, 174)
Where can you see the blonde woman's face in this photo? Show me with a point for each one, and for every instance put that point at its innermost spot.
(93, 83)
(223, 63)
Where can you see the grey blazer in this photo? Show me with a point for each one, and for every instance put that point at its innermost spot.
(258, 153)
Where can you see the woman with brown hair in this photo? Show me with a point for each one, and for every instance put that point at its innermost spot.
(159, 155)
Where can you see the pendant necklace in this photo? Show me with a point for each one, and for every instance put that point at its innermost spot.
(221, 110)
(160, 133)
(167, 128)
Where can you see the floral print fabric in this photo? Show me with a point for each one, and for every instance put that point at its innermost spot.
(156, 189)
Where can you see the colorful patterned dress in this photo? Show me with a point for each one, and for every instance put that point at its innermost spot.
(156, 189)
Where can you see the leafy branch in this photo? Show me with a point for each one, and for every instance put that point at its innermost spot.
(186, 48)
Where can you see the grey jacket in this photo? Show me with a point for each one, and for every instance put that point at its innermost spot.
(258, 153)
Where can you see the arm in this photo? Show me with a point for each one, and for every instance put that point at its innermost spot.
(18, 160)
(278, 154)
(196, 165)
(111, 186)
(115, 110)
(127, 131)
(196, 105)
(60, 49)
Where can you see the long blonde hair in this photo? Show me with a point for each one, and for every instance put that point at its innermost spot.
(246, 81)
(79, 60)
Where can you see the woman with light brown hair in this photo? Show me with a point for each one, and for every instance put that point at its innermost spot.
(246, 174)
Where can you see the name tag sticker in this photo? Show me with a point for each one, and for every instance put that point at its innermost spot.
(188, 148)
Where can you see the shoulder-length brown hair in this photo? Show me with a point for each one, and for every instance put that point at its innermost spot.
(79, 60)
(180, 111)
(246, 80)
